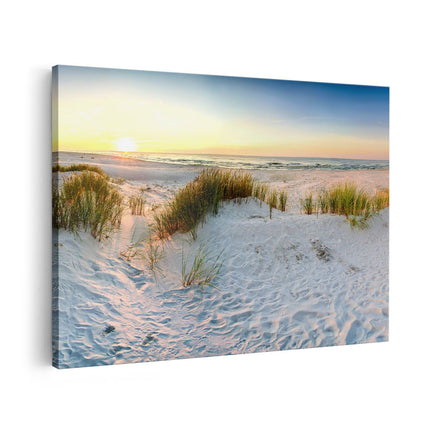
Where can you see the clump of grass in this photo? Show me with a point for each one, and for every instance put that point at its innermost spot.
(381, 200)
(202, 272)
(87, 201)
(323, 204)
(260, 191)
(347, 199)
(137, 204)
(275, 200)
(79, 168)
(373, 206)
(204, 195)
(193, 233)
(146, 248)
(153, 254)
(118, 181)
(133, 249)
(360, 221)
(272, 201)
(60, 213)
(283, 198)
(356, 204)
(308, 205)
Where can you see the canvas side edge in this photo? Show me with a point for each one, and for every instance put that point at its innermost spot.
(55, 253)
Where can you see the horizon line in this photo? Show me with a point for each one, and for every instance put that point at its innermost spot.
(219, 154)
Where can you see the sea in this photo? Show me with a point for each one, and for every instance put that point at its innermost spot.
(256, 162)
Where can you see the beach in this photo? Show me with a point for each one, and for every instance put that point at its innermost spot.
(289, 281)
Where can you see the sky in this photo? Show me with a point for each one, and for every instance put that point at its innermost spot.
(125, 110)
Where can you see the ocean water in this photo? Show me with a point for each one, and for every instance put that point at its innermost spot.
(257, 162)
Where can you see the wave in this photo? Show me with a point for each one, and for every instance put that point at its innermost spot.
(257, 162)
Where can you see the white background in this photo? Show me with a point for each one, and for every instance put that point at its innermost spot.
(367, 42)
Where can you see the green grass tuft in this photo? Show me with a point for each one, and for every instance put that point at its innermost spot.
(206, 193)
(346, 199)
(200, 197)
(118, 181)
(272, 201)
(308, 206)
(146, 248)
(260, 191)
(356, 204)
(202, 272)
(283, 198)
(137, 204)
(381, 200)
(153, 254)
(79, 168)
(323, 204)
(87, 201)
(275, 200)
(359, 221)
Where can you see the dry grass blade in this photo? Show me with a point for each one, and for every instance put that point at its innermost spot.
(153, 254)
(260, 191)
(202, 272)
(137, 204)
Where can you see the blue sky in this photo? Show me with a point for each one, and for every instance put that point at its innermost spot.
(169, 112)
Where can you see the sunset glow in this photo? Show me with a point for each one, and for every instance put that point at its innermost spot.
(123, 110)
(125, 144)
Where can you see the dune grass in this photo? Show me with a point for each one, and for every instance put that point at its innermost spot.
(272, 201)
(137, 204)
(152, 255)
(118, 181)
(381, 200)
(283, 198)
(204, 195)
(79, 168)
(359, 221)
(89, 202)
(134, 248)
(146, 248)
(323, 203)
(346, 199)
(357, 205)
(307, 204)
(260, 191)
(202, 272)
(200, 197)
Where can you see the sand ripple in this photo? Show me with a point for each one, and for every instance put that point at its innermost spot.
(273, 292)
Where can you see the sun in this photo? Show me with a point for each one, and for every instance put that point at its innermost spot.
(125, 144)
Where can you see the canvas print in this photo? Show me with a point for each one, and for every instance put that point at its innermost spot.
(197, 216)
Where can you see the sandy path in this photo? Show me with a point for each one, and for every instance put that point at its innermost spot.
(294, 281)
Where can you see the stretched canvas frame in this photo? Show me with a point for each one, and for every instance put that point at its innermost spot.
(200, 215)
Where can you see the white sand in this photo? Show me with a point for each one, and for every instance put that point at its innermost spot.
(294, 281)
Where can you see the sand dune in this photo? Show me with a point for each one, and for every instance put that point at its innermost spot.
(293, 281)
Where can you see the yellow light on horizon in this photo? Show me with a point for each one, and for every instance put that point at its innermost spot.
(125, 144)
